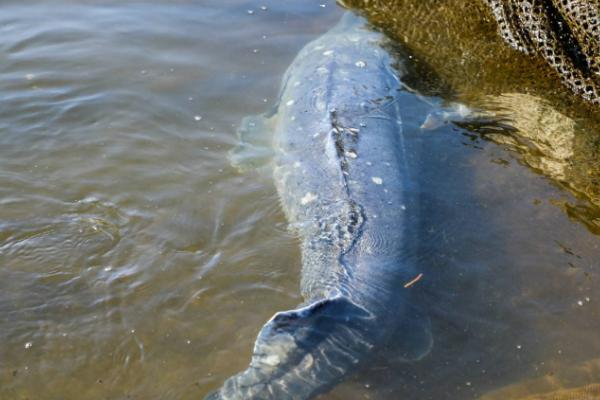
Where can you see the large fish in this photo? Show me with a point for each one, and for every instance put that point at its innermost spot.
(341, 167)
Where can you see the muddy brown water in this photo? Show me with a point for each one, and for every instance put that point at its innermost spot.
(136, 263)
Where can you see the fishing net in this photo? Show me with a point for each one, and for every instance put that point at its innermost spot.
(566, 33)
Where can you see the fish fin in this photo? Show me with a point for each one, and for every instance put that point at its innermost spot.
(254, 147)
(456, 112)
(337, 309)
(311, 324)
(303, 352)
(412, 340)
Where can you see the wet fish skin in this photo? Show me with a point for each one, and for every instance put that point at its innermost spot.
(340, 165)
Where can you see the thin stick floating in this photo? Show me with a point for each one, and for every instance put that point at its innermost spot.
(412, 282)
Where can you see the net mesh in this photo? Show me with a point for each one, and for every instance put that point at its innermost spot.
(565, 33)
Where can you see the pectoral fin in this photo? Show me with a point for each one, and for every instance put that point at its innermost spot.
(254, 148)
(454, 113)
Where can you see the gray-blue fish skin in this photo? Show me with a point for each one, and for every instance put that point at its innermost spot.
(342, 173)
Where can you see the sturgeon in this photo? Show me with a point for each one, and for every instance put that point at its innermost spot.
(341, 167)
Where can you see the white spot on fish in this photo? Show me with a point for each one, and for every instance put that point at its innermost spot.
(297, 164)
(377, 180)
(308, 198)
(322, 70)
(319, 47)
(351, 154)
(293, 117)
(297, 83)
(328, 52)
(272, 360)
(198, 117)
(290, 103)
(29, 76)
(320, 105)
(369, 163)
(316, 135)
(403, 207)
(360, 64)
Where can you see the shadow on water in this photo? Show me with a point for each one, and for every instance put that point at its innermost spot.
(510, 252)
(509, 280)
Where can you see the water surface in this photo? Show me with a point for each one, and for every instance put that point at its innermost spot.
(136, 263)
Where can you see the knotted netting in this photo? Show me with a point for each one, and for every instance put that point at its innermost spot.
(566, 33)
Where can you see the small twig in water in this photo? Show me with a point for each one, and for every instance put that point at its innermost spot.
(412, 282)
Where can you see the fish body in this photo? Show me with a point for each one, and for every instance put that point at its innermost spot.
(341, 167)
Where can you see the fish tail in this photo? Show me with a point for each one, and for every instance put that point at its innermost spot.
(303, 352)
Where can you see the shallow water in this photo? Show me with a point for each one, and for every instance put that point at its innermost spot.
(135, 262)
